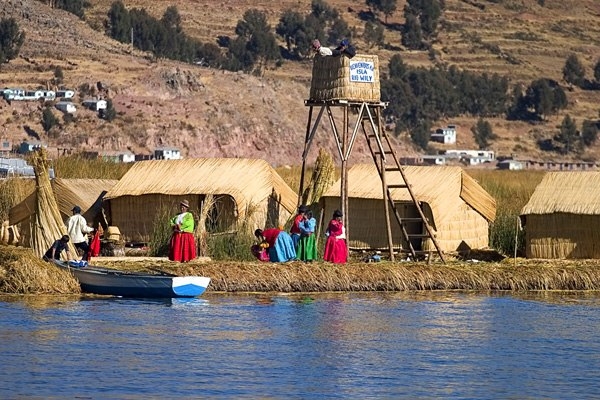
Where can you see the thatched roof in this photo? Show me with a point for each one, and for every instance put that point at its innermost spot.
(575, 192)
(68, 193)
(248, 181)
(443, 188)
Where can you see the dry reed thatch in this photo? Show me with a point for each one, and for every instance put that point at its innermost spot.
(562, 216)
(323, 177)
(22, 272)
(458, 209)
(47, 225)
(335, 78)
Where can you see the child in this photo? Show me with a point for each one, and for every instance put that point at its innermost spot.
(53, 253)
(307, 247)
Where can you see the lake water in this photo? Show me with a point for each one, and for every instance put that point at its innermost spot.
(423, 345)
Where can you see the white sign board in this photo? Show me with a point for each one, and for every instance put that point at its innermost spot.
(362, 71)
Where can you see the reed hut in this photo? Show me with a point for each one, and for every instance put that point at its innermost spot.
(562, 216)
(459, 210)
(86, 193)
(239, 192)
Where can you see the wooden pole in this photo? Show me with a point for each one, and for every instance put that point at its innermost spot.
(306, 140)
(344, 175)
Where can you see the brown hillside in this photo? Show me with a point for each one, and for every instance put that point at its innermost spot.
(208, 112)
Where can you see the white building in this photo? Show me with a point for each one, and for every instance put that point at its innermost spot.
(483, 155)
(95, 104)
(66, 106)
(167, 153)
(445, 135)
(65, 94)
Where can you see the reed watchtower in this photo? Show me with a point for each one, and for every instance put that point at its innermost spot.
(352, 86)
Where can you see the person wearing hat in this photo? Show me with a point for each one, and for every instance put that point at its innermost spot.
(336, 250)
(295, 229)
(78, 229)
(345, 48)
(320, 50)
(182, 246)
(60, 245)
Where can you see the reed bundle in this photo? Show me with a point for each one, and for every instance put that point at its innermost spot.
(47, 224)
(340, 78)
(22, 272)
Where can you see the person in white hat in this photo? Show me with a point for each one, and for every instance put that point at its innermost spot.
(182, 246)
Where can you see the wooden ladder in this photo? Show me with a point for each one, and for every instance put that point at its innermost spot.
(387, 163)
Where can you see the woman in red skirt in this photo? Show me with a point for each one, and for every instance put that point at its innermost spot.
(183, 244)
(336, 250)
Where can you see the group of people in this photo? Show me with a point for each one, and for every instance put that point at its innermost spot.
(343, 49)
(277, 245)
(77, 231)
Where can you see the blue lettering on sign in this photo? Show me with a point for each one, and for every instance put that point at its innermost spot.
(362, 71)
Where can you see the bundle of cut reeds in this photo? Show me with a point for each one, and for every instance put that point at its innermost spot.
(323, 177)
(47, 224)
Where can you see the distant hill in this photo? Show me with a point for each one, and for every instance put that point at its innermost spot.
(208, 112)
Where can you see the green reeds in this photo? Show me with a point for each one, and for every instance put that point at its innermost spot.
(512, 190)
(80, 167)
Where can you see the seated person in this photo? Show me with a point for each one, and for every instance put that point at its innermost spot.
(345, 48)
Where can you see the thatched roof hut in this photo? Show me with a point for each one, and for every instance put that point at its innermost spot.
(457, 207)
(562, 216)
(86, 193)
(246, 191)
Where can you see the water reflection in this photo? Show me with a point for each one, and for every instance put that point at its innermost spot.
(308, 345)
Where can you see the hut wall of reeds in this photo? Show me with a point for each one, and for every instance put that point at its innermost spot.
(562, 216)
(342, 78)
(246, 194)
(458, 208)
(85, 193)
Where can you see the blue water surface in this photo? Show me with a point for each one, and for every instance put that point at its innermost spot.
(420, 345)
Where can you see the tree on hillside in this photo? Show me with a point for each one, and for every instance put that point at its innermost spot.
(48, 119)
(546, 97)
(482, 132)
(597, 71)
(412, 36)
(76, 7)
(119, 22)
(109, 114)
(589, 132)
(255, 43)
(291, 24)
(387, 7)
(421, 134)
(11, 39)
(573, 71)
(373, 34)
(567, 135)
(172, 20)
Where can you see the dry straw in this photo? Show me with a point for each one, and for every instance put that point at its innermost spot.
(47, 222)
(331, 79)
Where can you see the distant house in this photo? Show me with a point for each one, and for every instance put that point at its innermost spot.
(512, 165)
(114, 156)
(29, 146)
(65, 94)
(11, 167)
(445, 135)
(66, 106)
(167, 153)
(5, 147)
(95, 104)
(472, 157)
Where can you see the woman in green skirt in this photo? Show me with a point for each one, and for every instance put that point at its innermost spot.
(307, 246)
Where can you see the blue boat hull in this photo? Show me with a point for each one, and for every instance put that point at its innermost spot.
(120, 283)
